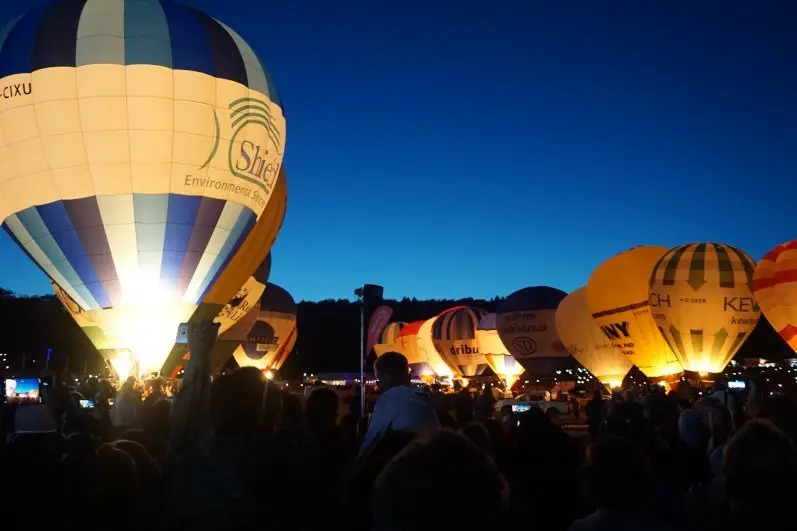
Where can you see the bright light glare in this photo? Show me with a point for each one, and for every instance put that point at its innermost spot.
(269, 375)
(122, 363)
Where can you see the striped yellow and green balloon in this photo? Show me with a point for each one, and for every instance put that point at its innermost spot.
(701, 298)
(389, 337)
(142, 141)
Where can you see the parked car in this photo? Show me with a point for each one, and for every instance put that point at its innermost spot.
(552, 408)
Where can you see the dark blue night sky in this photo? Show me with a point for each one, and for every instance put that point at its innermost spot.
(457, 148)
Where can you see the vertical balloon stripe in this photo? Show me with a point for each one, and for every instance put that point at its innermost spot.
(101, 34)
(671, 268)
(676, 337)
(719, 342)
(244, 220)
(87, 221)
(206, 219)
(33, 224)
(146, 31)
(725, 266)
(150, 215)
(15, 228)
(190, 45)
(56, 39)
(181, 214)
(56, 218)
(227, 58)
(117, 213)
(237, 238)
(697, 267)
(256, 75)
(17, 54)
(696, 336)
(747, 265)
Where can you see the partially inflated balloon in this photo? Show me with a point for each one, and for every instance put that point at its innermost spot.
(239, 312)
(775, 283)
(388, 338)
(587, 343)
(454, 336)
(495, 353)
(407, 344)
(141, 140)
(617, 295)
(525, 322)
(272, 331)
(701, 296)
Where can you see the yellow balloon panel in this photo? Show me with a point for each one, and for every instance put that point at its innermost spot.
(775, 284)
(109, 129)
(241, 312)
(617, 296)
(702, 300)
(587, 343)
(267, 341)
(428, 353)
(497, 356)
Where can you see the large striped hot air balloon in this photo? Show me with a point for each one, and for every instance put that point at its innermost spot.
(273, 332)
(701, 296)
(454, 336)
(141, 142)
(495, 353)
(775, 284)
(525, 322)
(388, 338)
(586, 342)
(428, 352)
(617, 296)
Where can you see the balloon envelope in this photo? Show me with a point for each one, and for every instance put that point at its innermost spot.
(495, 353)
(587, 343)
(454, 336)
(240, 311)
(142, 141)
(701, 296)
(525, 323)
(617, 295)
(388, 338)
(272, 332)
(775, 284)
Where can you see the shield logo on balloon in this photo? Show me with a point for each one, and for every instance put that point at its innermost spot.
(524, 346)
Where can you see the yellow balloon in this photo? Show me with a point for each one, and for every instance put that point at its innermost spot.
(272, 333)
(503, 364)
(775, 283)
(587, 343)
(430, 355)
(454, 336)
(617, 296)
(701, 296)
(388, 338)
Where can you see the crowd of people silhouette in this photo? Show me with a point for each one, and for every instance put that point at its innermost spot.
(237, 452)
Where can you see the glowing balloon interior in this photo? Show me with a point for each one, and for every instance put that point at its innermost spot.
(495, 353)
(141, 140)
(617, 295)
(701, 296)
(273, 332)
(587, 343)
(775, 283)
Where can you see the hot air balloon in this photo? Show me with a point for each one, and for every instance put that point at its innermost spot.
(406, 343)
(701, 296)
(272, 332)
(388, 338)
(617, 296)
(142, 140)
(525, 322)
(775, 284)
(586, 342)
(495, 353)
(454, 337)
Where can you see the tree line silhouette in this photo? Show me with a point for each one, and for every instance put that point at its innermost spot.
(329, 334)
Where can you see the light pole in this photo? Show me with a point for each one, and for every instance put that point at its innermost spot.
(359, 293)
